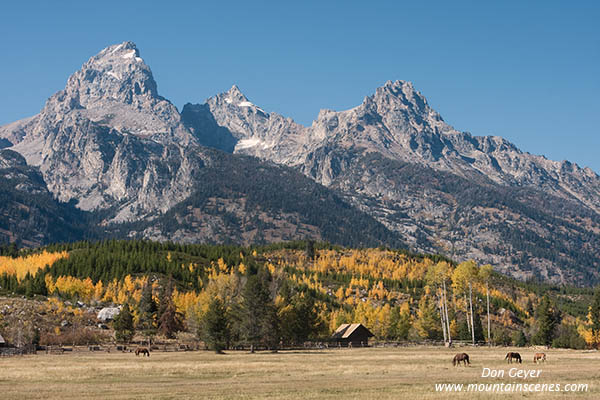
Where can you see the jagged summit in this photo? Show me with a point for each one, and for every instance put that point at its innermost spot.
(121, 49)
(118, 74)
(234, 95)
(108, 139)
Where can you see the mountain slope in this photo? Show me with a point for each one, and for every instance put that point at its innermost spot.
(244, 200)
(28, 213)
(445, 191)
(110, 144)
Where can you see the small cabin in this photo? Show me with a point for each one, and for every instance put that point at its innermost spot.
(2, 342)
(353, 335)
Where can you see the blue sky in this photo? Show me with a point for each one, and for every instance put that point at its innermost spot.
(527, 71)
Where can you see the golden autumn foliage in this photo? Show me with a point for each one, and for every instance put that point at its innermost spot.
(20, 266)
(119, 292)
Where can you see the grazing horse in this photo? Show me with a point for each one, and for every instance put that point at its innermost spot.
(464, 357)
(143, 351)
(539, 357)
(510, 355)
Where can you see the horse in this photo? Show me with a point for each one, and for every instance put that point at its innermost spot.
(539, 357)
(143, 351)
(464, 357)
(510, 355)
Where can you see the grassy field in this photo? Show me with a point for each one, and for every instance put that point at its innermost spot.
(374, 373)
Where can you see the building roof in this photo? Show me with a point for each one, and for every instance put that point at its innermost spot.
(346, 330)
(2, 341)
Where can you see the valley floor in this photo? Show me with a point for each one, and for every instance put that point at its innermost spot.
(373, 373)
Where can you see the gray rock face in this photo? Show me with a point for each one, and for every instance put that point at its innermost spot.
(109, 140)
(398, 123)
(258, 133)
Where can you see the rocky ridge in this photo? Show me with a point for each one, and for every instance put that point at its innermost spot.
(111, 145)
(390, 157)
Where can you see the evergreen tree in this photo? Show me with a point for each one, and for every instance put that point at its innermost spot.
(594, 317)
(147, 310)
(169, 320)
(400, 324)
(500, 337)
(215, 326)
(547, 318)
(310, 249)
(427, 323)
(568, 338)
(259, 317)
(463, 333)
(519, 339)
(123, 325)
(478, 328)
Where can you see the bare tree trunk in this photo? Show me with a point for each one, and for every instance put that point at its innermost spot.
(471, 306)
(441, 308)
(467, 313)
(442, 319)
(487, 289)
(446, 312)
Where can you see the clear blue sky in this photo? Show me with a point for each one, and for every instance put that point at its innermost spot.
(528, 71)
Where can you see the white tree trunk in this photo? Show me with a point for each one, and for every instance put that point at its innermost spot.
(446, 313)
(441, 309)
(487, 289)
(468, 316)
(471, 306)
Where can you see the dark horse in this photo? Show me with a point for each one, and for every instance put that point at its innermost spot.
(464, 357)
(143, 351)
(510, 355)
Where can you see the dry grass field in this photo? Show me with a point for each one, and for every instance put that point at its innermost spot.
(374, 373)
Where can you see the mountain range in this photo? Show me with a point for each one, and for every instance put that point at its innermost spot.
(109, 157)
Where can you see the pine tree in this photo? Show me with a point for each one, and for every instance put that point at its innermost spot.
(123, 325)
(594, 317)
(519, 339)
(310, 249)
(400, 324)
(147, 310)
(258, 311)
(214, 328)
(478, 328)
(547, 318)
(169, 320)
(427, 323)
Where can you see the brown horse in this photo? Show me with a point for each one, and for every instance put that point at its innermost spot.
(539, 357)
(143, 351)
(510, 355)
(464, 357)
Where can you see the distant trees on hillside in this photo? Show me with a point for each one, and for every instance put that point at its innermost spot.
(286, 294)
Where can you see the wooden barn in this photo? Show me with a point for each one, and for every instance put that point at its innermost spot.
(354, 335)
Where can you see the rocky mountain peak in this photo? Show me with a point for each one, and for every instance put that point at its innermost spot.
(117, 74)
(234, 95)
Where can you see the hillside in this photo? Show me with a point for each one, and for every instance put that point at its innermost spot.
(398, 295)
(29, 214)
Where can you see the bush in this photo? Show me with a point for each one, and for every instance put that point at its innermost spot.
(519, 339)
(569, 338)
(501, 337)
(77, 337)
